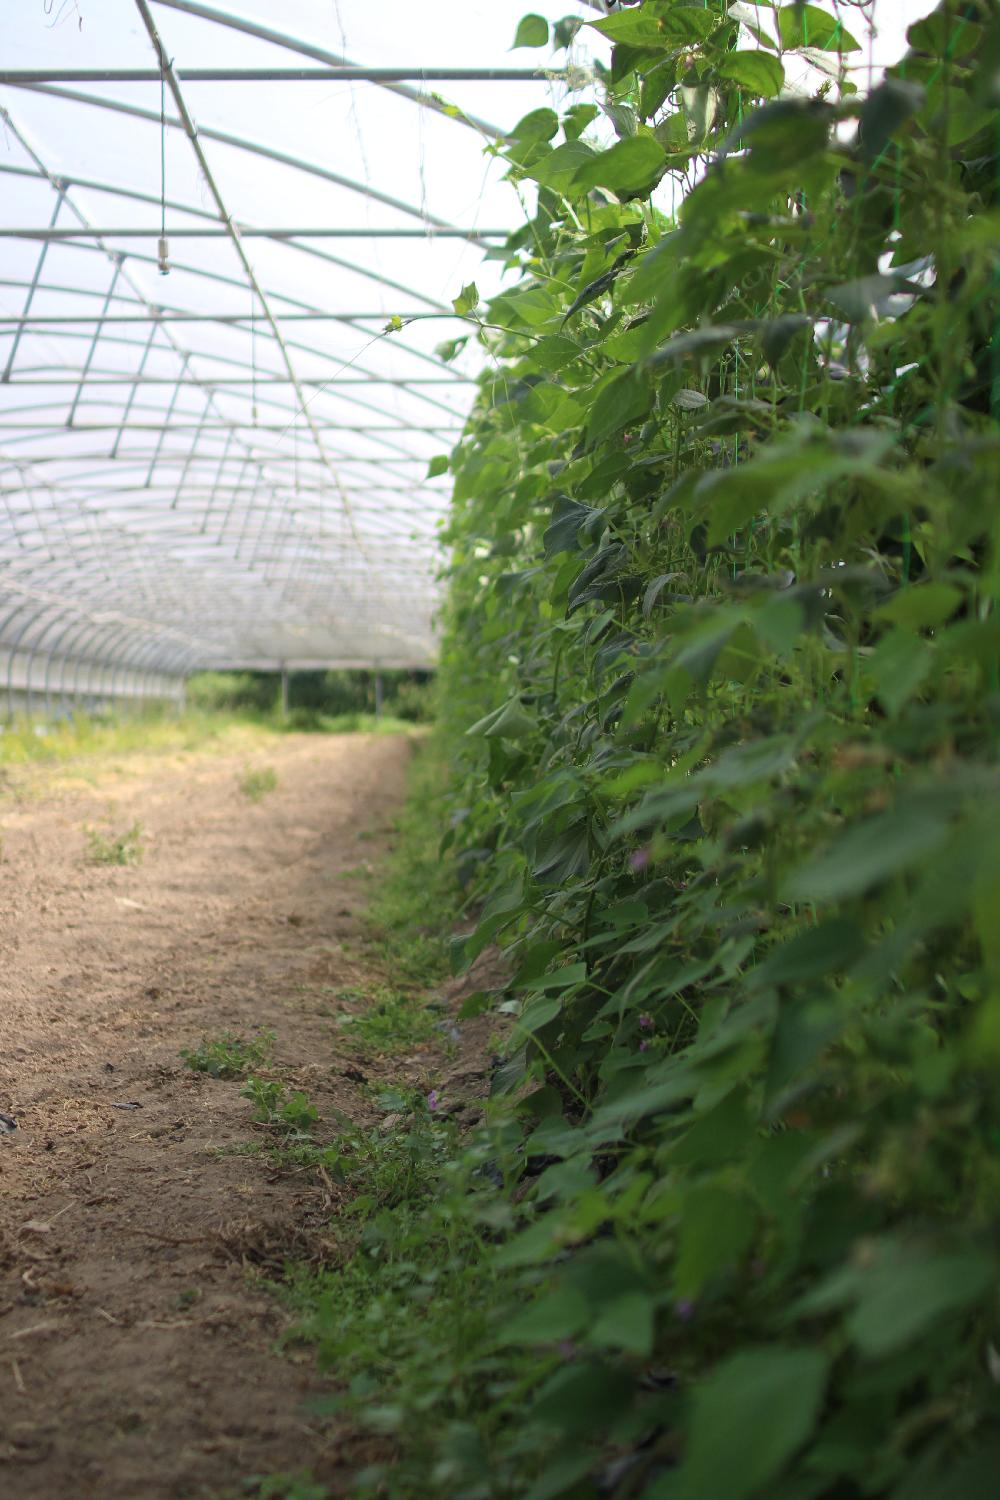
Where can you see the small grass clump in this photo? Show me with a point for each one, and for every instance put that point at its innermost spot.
(124, 848)
(256, 783)
(229, 1056)
(292, 1114)
(409, 919)
(391, 1022)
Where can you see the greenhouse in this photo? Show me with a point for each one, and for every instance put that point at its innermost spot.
(499, 713)
(230, 255)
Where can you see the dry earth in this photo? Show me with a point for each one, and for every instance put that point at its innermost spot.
(136, 1354)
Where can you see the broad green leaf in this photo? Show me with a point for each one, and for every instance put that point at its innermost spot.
(625, 1323)
(532, 31)
(467, 300)
(570, 977)
(922, 606)
(750, 1418)
(898, 1299)
(539, 125)
(757, 71)
(559, 168)
(807, 26)
(716, 1229)
(896, 1291)
(626, 167)
(554, 352)
(507, 722)
(867, 854)
(557, 1314)
(536, 1015)
(899, 667)
(625, 399)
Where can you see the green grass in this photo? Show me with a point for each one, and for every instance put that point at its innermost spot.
(229, 1056)
(256, 783)
(122, 848)
(291, 1113)
(408, 920)
(28, 742)
(391, 1022)
(410, 1322)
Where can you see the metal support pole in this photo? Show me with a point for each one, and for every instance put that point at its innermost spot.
(284, 691)
(378, 695)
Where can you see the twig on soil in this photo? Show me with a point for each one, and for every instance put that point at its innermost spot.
(165, 1239)
(22, 1333)
(18, 1377)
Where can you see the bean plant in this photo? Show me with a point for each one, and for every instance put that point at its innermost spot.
(721, 687)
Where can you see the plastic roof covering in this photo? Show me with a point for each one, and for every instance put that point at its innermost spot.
(226, 465)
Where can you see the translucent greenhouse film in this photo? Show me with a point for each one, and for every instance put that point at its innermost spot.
(231, 244)
(229, 253)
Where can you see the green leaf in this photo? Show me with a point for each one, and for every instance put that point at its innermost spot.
(759, 72)
(807, 26)
(898, 1292)
(564, 31)
(716, 1229)
(814, 954)
(899, 667)
(559, 168)
(507, 722)
(899, 1300)
(558, 1314)
(570, 977)
(627, 167)
(868, 854)
(554, 352)
(625, 1323)
(636, 28)
(922, 606)
(532, 31)
(539, 125)
(438, 465)
(467, 299)
(625, 399)
(749, 1419)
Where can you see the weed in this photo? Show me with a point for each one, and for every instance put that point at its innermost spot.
(189, 1297)
(255, 784)
(391, 1022)
(410, 1319)
(286, 1487)
(273, 1105)
(229, 1056)
(112, 848)
(416, 901)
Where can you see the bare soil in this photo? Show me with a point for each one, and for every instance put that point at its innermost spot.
(136, 1351)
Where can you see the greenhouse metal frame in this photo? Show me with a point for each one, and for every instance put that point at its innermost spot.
(220, 375)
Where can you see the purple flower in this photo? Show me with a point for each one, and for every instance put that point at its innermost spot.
(684, 1309)
(645, 1023)
(433, 1100)
(639, 859)
(643, 1046)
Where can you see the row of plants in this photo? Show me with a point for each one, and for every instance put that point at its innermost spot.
(721, 705)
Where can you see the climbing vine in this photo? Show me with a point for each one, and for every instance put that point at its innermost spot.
(721, 681)
(721, 705)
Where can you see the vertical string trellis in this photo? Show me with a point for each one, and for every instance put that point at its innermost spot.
(163, 247)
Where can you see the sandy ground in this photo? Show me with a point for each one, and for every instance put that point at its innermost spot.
(135, 1350)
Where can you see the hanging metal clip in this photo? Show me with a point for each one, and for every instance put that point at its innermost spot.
(163, 253)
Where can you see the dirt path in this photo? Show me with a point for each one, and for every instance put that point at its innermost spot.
(135, 1355)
